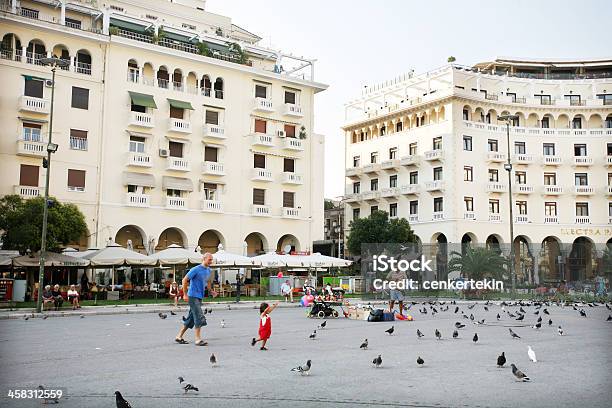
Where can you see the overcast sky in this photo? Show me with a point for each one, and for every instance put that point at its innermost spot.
(358, 42)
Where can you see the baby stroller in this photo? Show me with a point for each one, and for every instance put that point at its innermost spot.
(322, 309)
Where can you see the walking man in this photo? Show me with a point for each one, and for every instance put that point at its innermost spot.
(396, 294)
(193, 293)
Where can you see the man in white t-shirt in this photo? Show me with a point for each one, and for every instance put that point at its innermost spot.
(287, 291)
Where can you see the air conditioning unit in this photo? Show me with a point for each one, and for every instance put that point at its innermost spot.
(280, 133)
(48, 83)
(164, 153)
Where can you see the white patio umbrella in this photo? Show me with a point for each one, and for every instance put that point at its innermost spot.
(271, 260)
(116, 255)
(317, 260)
(222, 259)
(79, 254)
(177, 255)
(51, 259)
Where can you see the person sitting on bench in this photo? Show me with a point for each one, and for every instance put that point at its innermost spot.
(57, 297)
(73, 297)
(47, 297)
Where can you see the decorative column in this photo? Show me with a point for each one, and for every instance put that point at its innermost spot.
(63, 12)
(14, 6)
(105, 21)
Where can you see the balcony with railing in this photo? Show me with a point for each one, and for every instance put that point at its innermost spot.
(583, 190)
(523, 158)
(176, 203)
(177, 164)
(391, 164)
(552, 190)
(142, 119)
(139, 159)
(78, 143)
(212, 206)
(214, 131)
(436, 185)
(410, 189)
(262, 139)
(352, 197)
(432, 155)
(293, 110)
(582, 220)
(263, 105)
(495, 187)
(411, 160)
(31, 148)
(261, 210)
(82, 68)
(582, 161)
(290, 212)
(292, 178)
(291, 143)
(494, 217)
(495, 157)
(608, 190)
(213, 168)
(609, 160)
(179, 125)
(371, 195)
(35, 105)
(437, 215)
(523, 189)
(389, 192)
(535, 131)
(521, 219)
(353, 172)
(469, 215)
(371, 168)
(413, 218)
(27, 191)
(551, 219)
(261, 175)
(137, 200)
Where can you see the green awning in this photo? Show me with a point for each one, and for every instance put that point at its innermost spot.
(180, 104)
(127, 25)
(142, 99)
(31, 77)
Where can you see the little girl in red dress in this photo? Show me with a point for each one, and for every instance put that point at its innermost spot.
(265, 325)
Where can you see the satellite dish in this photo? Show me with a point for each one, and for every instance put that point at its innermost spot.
(287, 249)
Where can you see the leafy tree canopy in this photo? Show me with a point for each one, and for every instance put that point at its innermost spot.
(378, 228)
(21, 223)
(478, 263)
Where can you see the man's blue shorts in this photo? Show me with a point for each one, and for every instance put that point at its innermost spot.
(195, 317)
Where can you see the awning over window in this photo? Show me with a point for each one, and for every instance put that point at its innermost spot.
(131, 25)
(138, 179)
(31, 77)
(25, 119)
(142, 99)
(177, 183)
(180, 104)
(138, 134)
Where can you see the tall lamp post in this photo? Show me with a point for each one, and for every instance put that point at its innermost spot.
(53, 62)
(508, 168)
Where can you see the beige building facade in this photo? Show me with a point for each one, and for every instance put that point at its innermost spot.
(432, 149)
(173, 125)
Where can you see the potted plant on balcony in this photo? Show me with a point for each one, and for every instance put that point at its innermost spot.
(302, 134)
(161, 34)
(113, 30)
(236, 51)
(204, 50)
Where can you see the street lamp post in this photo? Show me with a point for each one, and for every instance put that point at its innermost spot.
(53, 62)
(508, 168)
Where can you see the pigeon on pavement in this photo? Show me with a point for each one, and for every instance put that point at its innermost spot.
(459, 325)
(120, 401)
(364, 345)
(162, 316)
(521, 317)
(172, 313)
(213, 360)
(520, 376)
(419, 334)
(45, 317)
(550, 322)
(583, 313)
(498, 317)
(313, 335)
(501, 360)
(560, 331)
(455, 334)
(222, 323)
(181, 380)
(475, 338)
(189, 387)
(305, 369)
(420, 361)
(322, 325)
(546, 311)
(531, 354)
(438, 335)
(390, 331)
(377, 361)
(609, 319)
(537, 326)
(55, 400)
(513, 334)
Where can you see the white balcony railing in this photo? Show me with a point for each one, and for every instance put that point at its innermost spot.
(523, 158)
(263, 105)
(371, 195)
(260, 210)
(469, 215)
(216, 131)
(609, 190)
(437, 215)
(293, 110)
(288, 212)
(494, 218)
(371, 168)
(412, 218)
(353, 172)
(261, 175)
(390, 164)
(521, 219)
(495, 157)
(29, 148)
(523, 189)
(582, 220)
(583, 190)
(291, 143)
(179, 125)
(27, 191)
(437, 185)
(551, 219)
(139, 159)
(609, 160)
(548, 160)
(213, 168)
(262, 139)
(176, 203)
(432, 155)
(552, 190)
(31, 104)
(292, 178)
(78, 143)
(389, 192)
(137, 200)
(177, 164)
(410, 189)
(582, 161)
(412, 160)
(212, 206)
(496, 188)
(352, 197)
(142, 119)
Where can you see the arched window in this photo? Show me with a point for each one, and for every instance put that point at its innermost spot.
(83, 62)
(219, 88)
(205, 85)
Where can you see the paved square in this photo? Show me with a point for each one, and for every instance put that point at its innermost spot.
(94, 356)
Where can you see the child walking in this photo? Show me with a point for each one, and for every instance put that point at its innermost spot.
(265, 325)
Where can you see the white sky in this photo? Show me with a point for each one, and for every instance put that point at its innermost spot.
(359, 42)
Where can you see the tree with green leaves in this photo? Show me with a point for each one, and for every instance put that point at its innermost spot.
(451, 59)
(378, 228)
(606, 261)
(21, 223)
(478, 263)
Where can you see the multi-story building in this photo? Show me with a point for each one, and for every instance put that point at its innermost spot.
(431, 148)
(173, 125)
(332, 243)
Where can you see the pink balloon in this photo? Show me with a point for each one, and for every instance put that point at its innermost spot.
(310, 298)
(280, 275)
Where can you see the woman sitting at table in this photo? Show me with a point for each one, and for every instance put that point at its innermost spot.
(73, 297)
